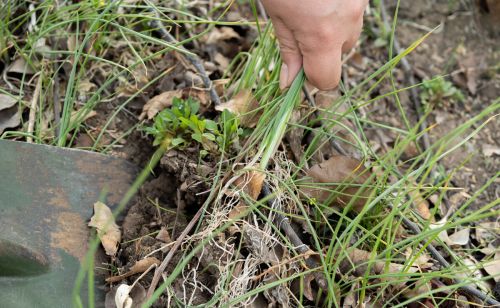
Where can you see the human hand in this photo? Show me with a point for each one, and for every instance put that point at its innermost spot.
(314, 34)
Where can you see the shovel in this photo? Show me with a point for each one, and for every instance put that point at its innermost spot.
(46, 200)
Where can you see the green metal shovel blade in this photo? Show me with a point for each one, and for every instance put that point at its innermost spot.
(46, 200)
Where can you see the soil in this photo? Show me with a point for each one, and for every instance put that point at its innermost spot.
(464, 48)
(180, 183)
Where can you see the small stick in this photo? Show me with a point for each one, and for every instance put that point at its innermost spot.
(194, 60)
(32, 115)
(410, 80)
(312, 103)
(302, 249)
(160, 269)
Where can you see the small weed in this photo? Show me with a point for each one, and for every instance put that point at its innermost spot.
(181, 124)
(436, 92)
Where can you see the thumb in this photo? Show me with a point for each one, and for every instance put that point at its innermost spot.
(323, 66)
(290, 53)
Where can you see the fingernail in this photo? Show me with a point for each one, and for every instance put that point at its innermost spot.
(283, 76)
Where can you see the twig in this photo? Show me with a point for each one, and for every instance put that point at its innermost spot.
(442, 261)
(193, 59)
(302, 249)
(160, 269)
(57, 103)
(410, 80)
(312, 103)
(32, 115)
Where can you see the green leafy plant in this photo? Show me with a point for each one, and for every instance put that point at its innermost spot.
(181, 124)
(436, 91)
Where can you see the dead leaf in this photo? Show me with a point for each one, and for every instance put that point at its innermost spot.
(107, 230)
(222, 61)
(251, 182)
(20, 66)
(6, 101)
(137, 295)
(308, 292)
(237, 211)
(164, 236)
(76, 116)
(122, 297)
(343, 175)
(139, 267)
(487, 232)
(10, 116)
(158, 103)
(492, 267)
(221, 34)
(490, 150)
(443, 235)
(460, 238)
(244, 105)
(420, 204)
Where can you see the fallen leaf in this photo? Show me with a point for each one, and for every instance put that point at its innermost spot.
(222, 61)
(237, 211)
(492, 267)
(158, 103)
(490, 150)
(459, 238)
(308, 292)
(443, 235)
(139, 267)
(20, 66)
(137, 294)
(122, 296)
(6, 101)
(244, 105)
(164, 236)
(76, 116)
(221, 34)
(487, 232)
(10, 116)
(421, 205)
(107, 230)
(251, 182)
(344, 176)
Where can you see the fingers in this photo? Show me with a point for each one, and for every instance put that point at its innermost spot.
(290, 54)
(323, 66)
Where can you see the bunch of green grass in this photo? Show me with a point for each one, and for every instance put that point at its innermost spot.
(259, 73)
(376, 232)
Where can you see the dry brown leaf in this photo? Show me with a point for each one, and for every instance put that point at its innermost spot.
(460, 238)
(237, 211)
(343, 174)
(107, 230)
(243, 104)
(9, 112)
(139, 267)
(487, 232)
(492, 267)
(137, 296)
(142, 265)
(251, 182)
(308, 292)
(221, 34)
(158, 103)
(77, 114)
(20, 66)
(222, 61)
(421, 205)
(490, 150)
(164, 236)
(6, 101)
